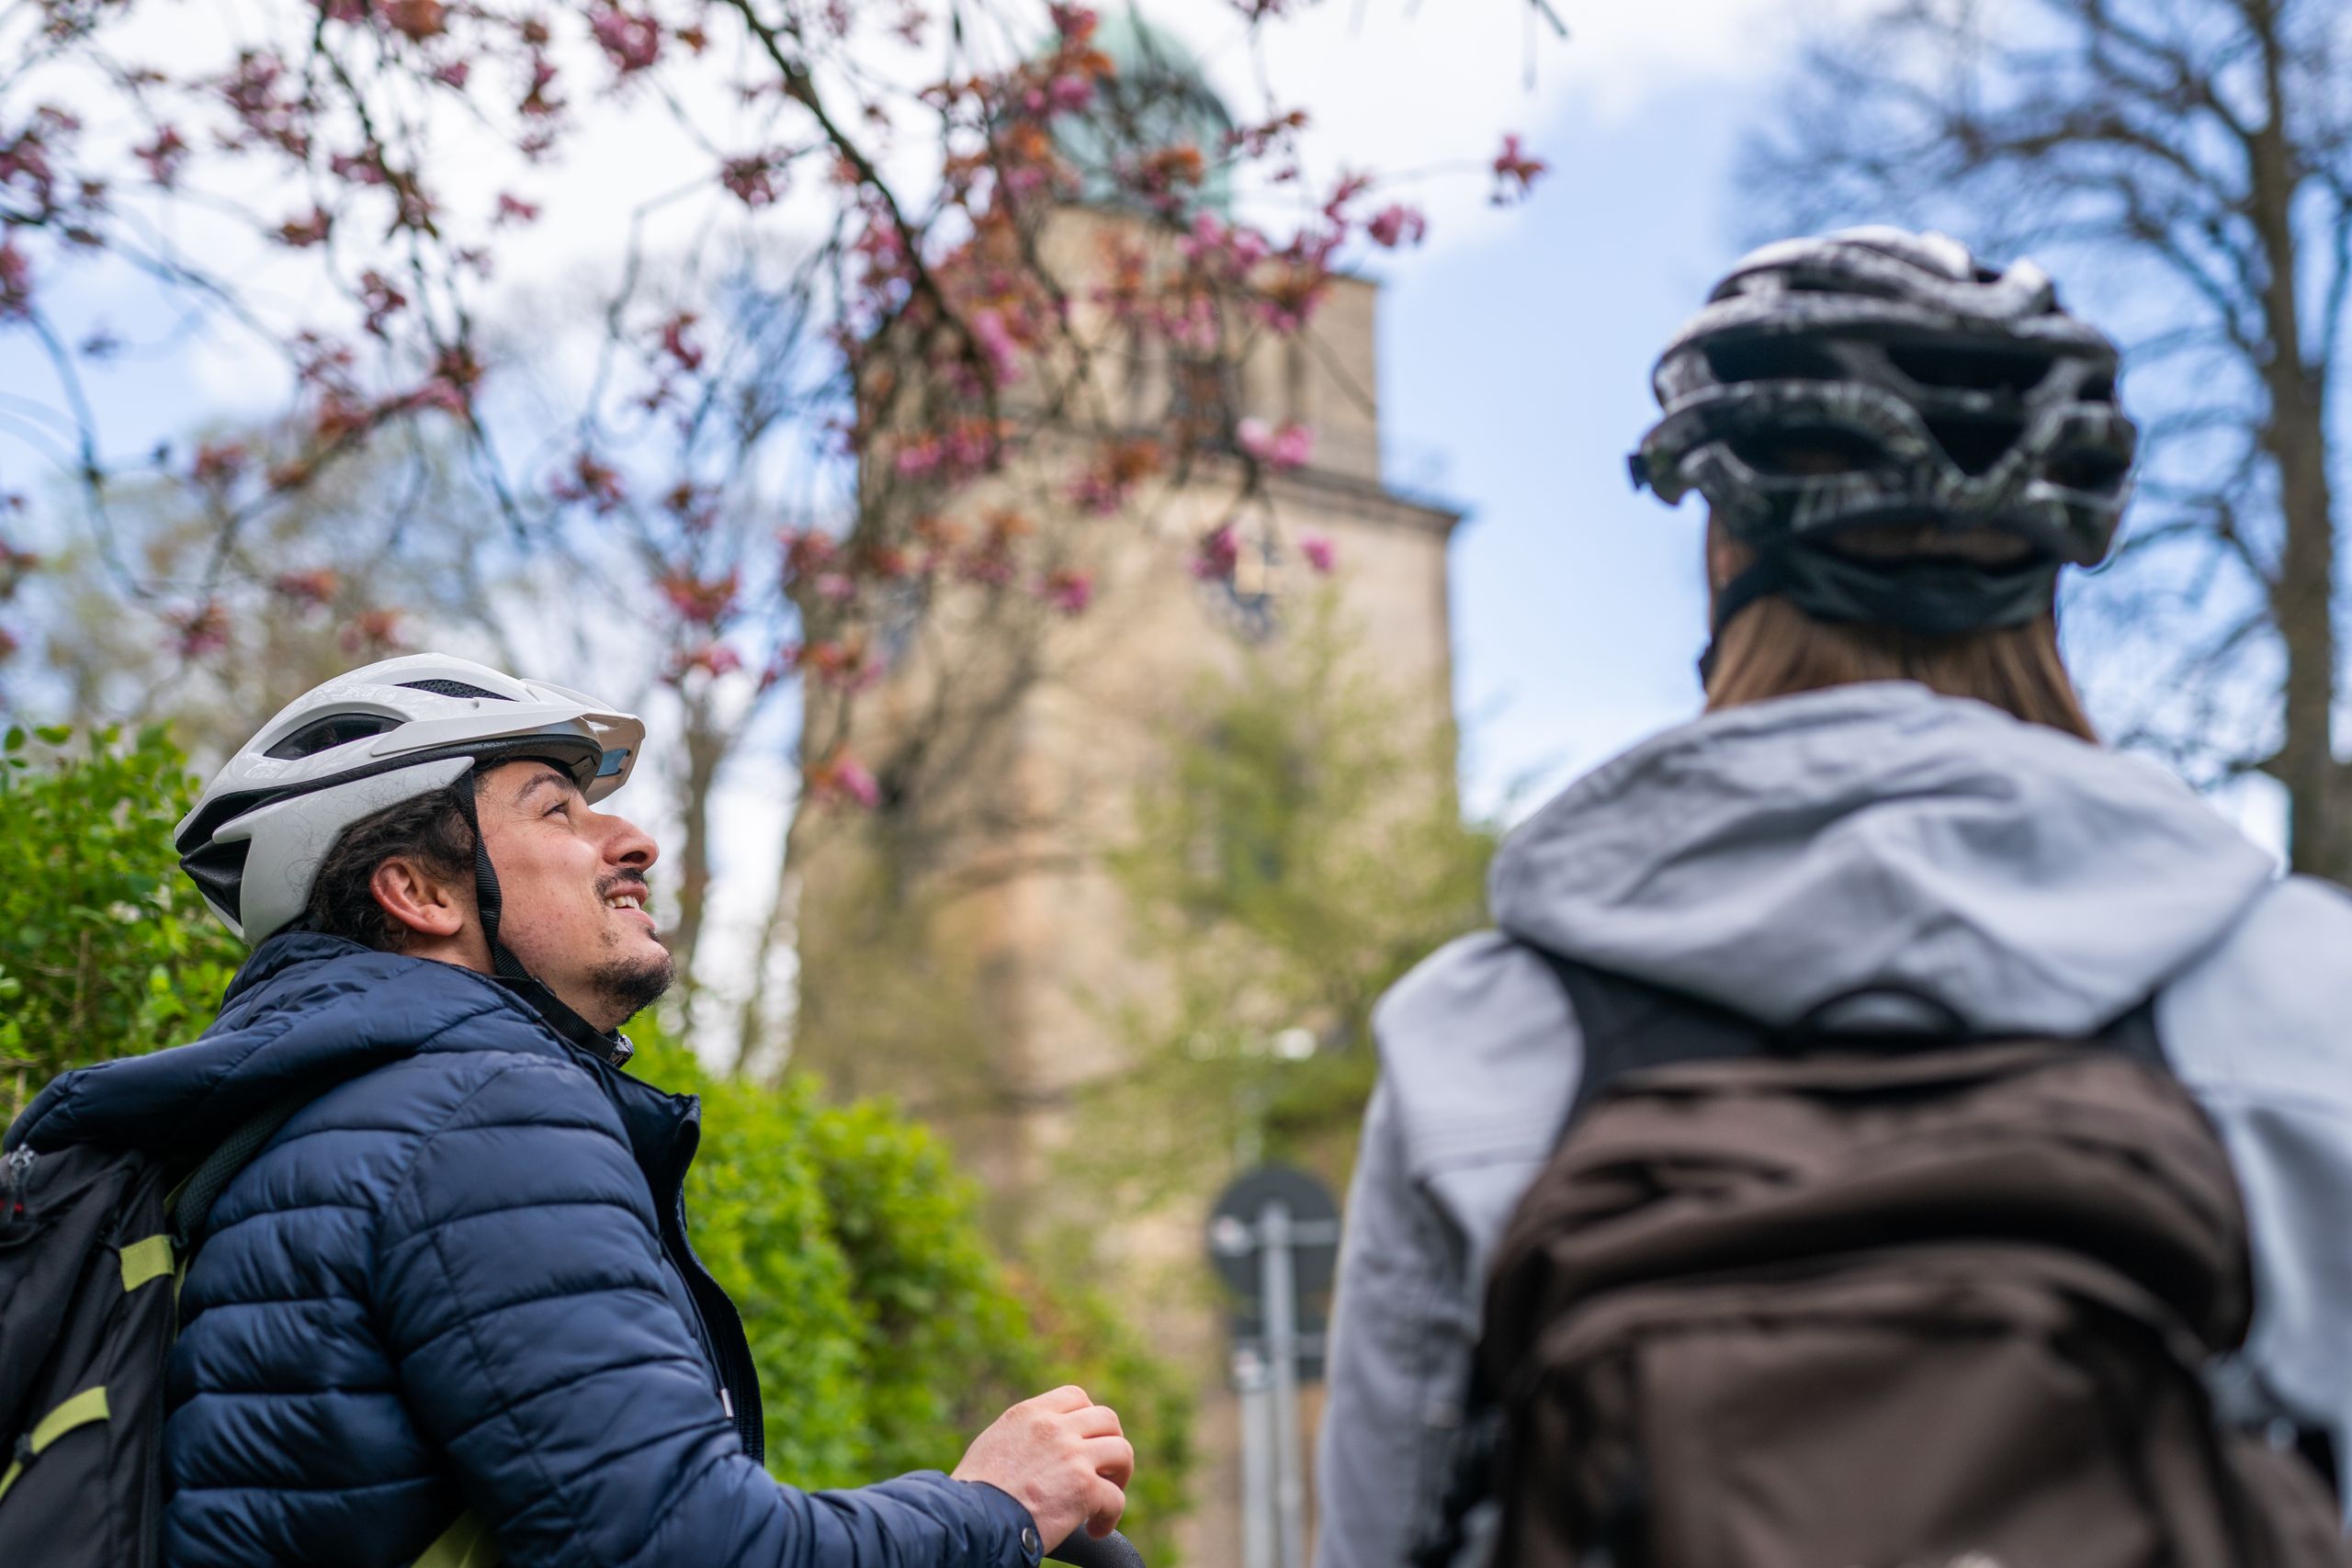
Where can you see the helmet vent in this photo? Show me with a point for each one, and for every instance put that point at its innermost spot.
(2092, 472)
(326, 734)
(452, 689)
(1769, 359)
(1975, 444)
(1817, 449)
(1974, 368)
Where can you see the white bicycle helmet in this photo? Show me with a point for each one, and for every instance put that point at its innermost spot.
(367, 740)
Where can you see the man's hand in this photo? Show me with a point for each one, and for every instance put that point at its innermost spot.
(1062, 1457)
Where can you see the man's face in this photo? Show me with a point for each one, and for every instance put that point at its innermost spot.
(573, 885)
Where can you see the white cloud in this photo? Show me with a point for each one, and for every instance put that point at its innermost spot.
(1426, 91)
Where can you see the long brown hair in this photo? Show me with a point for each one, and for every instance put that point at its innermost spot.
(1773, 650)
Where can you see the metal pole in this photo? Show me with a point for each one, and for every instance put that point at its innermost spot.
(1281, 1350)
(1256, 1387)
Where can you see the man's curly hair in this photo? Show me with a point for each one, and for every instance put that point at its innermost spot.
(430, 828)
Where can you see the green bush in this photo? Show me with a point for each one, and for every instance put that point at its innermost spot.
(106, 950)
(886, 1329)
(888, 1332)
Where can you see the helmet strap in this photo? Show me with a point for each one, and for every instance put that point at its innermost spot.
(611, 1046)
(1927, 595)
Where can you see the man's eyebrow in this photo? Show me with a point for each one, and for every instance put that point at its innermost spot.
(545, 776)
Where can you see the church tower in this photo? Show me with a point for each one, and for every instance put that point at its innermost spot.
(990, 1014)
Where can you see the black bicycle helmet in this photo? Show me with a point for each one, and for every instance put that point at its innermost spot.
(1875, 377)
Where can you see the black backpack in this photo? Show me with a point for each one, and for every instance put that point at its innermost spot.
(93, 1242)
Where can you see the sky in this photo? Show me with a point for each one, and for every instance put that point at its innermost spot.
(1516, 344)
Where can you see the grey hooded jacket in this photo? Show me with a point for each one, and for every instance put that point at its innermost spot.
(1768, 858)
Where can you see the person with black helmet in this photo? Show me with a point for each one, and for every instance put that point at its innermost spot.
(447, 1312)
(1893, 822)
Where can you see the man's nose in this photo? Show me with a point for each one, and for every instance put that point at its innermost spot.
(629, 844)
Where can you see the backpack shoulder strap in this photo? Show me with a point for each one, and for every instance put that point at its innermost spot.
(190, 1204)
(1629, 1025)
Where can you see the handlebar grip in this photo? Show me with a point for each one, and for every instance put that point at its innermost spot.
(1083, 1551)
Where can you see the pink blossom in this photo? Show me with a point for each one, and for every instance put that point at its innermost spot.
(1067, 590)
(1218, 552)
(752, 179)
(416, 20)
(442, 395)
(15, 281)
(631, 43)
(1068, 92)
(712, 658)
(1515, 172)
(1318, 553)
(202, 630)
(844, 780)
(706, 601)
(302, 233)
(164, 155)
(1228, 250)
(1397, 225)
(310, 587)
(806, 553)
(1287, 447)
(514, 209)
(1194, 328)
(677, 345)
(996, 341)
(836, 587)
(594, 481)
(218, 464)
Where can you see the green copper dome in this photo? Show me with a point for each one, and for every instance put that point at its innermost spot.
(1160, 97)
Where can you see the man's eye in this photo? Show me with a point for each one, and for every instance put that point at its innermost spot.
(559, 808)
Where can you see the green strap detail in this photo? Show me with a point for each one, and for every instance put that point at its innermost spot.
(466, 1543)
(84, 1407)
(149, 1257)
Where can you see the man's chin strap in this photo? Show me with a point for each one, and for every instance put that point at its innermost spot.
(507, 970)
(1929, 595)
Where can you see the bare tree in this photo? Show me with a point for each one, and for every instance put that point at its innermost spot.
(2187, 164)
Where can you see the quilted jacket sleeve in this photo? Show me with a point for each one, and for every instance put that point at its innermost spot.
(520, 1290)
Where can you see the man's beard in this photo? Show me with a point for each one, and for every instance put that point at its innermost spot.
(633, 984)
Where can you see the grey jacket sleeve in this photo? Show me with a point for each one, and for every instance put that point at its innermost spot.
(1479, 1057)
(1401, 1335)
(2261, 1032)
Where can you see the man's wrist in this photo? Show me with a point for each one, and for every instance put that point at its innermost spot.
(1020, 1523)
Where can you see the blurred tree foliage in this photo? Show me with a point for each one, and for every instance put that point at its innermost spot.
(105, 949)
(887, 1330)
(1304, 848)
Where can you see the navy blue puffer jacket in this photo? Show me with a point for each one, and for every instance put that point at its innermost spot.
(460, 1278)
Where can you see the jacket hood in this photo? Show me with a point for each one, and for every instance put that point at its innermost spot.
(1773, 857)
(305, 1012)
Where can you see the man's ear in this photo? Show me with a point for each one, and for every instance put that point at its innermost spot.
(419, 904)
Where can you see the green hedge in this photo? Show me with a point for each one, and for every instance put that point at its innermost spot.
(887, 1330)
(105, 948)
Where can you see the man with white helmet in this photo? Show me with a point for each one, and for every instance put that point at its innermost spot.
(449, 1313)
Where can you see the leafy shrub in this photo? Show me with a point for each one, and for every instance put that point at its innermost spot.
(106, 950)
(888, 1332)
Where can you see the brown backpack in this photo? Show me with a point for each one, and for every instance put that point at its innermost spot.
(1797, 1301)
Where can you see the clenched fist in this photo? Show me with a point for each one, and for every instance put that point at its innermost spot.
(1062, 1457)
